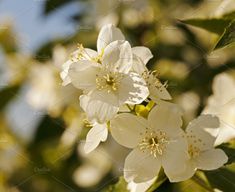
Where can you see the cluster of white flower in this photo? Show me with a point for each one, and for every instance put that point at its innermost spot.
(115, 76)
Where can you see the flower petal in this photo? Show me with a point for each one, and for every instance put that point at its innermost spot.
(174, 158)
(133, 89)
(83, 74)
(97, 110)
(143, 53)
(211, 159)
(118, 57)
(64, 73)
(166, 116)
(140, 167)
(108, 34)
(185, 174)
(126, 129)
(157, 89)
(197, 134)
(140, 187)
(98, 133)
(223, 89)
(138, 65)
(225, 134)
(106, 97)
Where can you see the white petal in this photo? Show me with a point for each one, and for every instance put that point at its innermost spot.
(140, 187)
(126, 129)
(64, 73)
(157, 89)
(97, 110)
(89, 54)
(138, 65)
(133, 89)
(166, 116)
(143, 53)
(211, 159)
(185, 174)
(83, 74)
(108, 34)
(226, 114)
(225, 134)
(197, 134)
(174, 157)
(106, 97)
(140, 167)
(118, 57)
(96, 134)
(223, 88)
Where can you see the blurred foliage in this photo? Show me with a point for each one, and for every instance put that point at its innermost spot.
(52, 5)
(212, 25)
(120, 186)
(7, 94)
(228, 37)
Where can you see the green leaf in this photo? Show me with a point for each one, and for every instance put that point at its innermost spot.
(120, 186)
(198, 183)
(52, 5)
(7, 94)
(185, 186)
(228, 37)
(213, 25)
(223, 178)
(230, 15)
(159, 181)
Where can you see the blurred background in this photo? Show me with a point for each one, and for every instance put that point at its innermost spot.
(42, 128)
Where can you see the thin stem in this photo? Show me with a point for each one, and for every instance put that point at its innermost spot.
(129, 107)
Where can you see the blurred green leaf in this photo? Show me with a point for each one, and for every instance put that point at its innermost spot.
(159, 181)
(213, 25)
(52, 5)
(7, 94)
(120, 186)
(230, 15)
(223, 178)
(8, 40)
(228, 37)
(186, 186)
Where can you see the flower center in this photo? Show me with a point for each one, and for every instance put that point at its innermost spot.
(154, 141)
(193, 151)
(108, 81)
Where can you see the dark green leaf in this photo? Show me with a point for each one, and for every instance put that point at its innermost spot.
(52, 5)
(230, 15)
(7, 94)
(159, 181)
(213, 25)
(228, 37)
(120, 186)
(223, 178)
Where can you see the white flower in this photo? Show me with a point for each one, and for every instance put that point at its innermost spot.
(109, 80)
(201, 149)
(157, 90)
(98, 133)
(107, 34)
(222, 104)
(156, 142)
